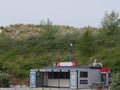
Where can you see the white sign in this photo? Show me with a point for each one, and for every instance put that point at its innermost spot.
(73, 80)
(66, 64)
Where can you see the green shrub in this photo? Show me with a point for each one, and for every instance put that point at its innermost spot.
(87, 43)
(116, 82)
(4, 80)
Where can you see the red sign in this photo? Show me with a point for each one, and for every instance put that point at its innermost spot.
(66, 64)
(104, 69)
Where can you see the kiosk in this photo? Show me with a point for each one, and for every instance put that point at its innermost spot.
(65, 75)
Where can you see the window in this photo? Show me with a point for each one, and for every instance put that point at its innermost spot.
(50, 75)
(64, 75)
(83, 74)
(59, 75)
(103, 78)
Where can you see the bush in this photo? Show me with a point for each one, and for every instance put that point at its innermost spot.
(4, 80)
(116, 82)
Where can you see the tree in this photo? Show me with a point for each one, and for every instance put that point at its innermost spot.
(110, 29)
(50, 31)
(111, 23)
(49, 34)
(87, 43)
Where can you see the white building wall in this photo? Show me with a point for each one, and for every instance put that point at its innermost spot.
(94, 76)
(83, 86)
(58, 82)
(52, 82)
(64, 83)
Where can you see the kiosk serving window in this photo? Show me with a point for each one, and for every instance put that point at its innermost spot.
(58, 75)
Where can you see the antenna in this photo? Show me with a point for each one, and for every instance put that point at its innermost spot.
(71, 52)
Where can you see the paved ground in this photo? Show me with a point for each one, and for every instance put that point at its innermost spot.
(47, 89)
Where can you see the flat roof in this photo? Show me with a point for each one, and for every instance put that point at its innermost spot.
(63, 68)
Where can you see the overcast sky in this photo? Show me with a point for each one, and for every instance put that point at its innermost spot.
(77, 13)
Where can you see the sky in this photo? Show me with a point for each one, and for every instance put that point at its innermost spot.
(76, 13)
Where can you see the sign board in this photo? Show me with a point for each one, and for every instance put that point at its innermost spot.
(32, 79)
(104, 69)
(66, 64)
(73, 79)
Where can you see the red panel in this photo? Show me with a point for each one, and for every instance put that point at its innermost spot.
(58, 63)
(73, 64)
(104, 69)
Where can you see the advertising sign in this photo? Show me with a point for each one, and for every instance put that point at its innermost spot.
(32, 79)
(73, 81)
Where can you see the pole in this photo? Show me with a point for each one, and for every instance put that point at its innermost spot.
(70, 52)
